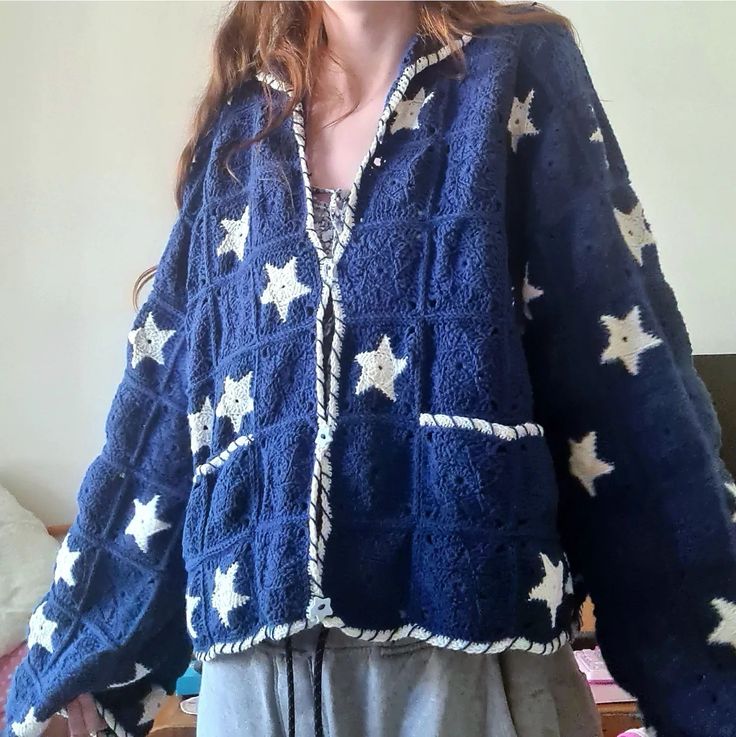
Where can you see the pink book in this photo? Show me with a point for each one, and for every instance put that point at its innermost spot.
(605, 689)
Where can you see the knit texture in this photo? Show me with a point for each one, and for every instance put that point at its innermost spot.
(512, 420)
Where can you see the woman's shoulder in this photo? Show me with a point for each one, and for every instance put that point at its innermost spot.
(233, 118)
(545, 52)
(550, 58)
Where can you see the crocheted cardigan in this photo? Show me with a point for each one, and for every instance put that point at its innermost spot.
(513, 418)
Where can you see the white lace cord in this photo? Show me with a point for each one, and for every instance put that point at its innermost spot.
(216, 462)
(503, 432)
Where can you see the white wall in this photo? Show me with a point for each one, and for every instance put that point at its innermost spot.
(665, 73)
(96, 98)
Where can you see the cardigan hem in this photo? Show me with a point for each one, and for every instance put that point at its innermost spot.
(414, 631)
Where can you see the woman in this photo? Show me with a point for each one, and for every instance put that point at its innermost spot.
(409, 384)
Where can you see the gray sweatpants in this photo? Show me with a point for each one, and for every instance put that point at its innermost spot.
(401, 689)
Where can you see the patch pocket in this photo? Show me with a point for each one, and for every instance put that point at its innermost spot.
(213, 483)
(197, 512)
(473, 470)
(235, 499)
(212, 465)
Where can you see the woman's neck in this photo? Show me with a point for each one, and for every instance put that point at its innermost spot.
(369, 39)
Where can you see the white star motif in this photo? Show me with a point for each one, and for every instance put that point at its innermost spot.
(379, 369)
(140, 672)
(192, 603)
(41, 630)
(520, 123)
(528, 293)
(151, 705)
(549, 590)
(731, 489)
(236, 235)
(30, 726)
(145, 523)
(236, 400)
(148, 341)
(627, 340)
(634, 230)
(585, 465)
(200, 426)
(569, 586)
(407, 111)
(65, 561)
(283, 287)
(725, 632)
(224, 597)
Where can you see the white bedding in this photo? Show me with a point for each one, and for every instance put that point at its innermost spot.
(27, 556)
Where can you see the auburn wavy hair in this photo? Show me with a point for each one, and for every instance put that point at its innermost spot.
(287, 39)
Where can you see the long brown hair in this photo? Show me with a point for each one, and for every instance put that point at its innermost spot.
(287, 39)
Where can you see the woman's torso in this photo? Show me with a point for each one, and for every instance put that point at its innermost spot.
(400, 688)
(400, 486)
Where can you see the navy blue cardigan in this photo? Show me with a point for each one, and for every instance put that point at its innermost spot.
(513, 418)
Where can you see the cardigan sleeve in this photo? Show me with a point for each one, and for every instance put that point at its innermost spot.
(646, 508)
(113, 623)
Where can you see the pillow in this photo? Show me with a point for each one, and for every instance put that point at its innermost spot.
(27, 555)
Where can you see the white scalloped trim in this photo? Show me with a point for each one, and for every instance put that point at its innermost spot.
(319, 506)
(504, 432)
(215, 462)
(414, 631)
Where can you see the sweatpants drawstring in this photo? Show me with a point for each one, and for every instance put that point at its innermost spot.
(290, 687)
(318, 654)
(319, 650)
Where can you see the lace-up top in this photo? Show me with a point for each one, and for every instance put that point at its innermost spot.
(329, 218)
